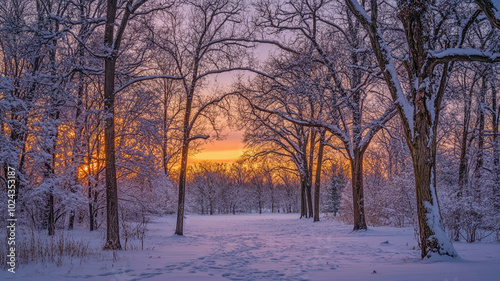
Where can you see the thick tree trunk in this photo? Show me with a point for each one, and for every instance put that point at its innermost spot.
(50, 171)
(71, 222)
(51, 226)
(421, 139)
(358, 199)
(310, 161)
(75, 155)
(317, 183)
(303, 201)
(433, 239)
(309, 198)
(112, 227)
(179, 229)
(431, 230)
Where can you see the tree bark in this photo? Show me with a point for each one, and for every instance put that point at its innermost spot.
(357, 191)
(317, 183)
(77, 143)
(496, 147)
(51, 226)
(179, 229)
(309, 198)
(112, 226)
(480, 138)
(420, 126)
(431, 231)
(463, 166)
(303, 201)
(91, 207)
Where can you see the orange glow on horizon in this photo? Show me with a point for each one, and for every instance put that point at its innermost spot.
(226, 151)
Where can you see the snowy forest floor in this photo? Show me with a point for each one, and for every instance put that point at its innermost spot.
(268, 247)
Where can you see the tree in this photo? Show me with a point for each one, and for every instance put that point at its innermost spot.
(336, 184)
(199, 39)
(269, 134)
(427, 68)
(349, 86)
(112, 44)
(491, 9)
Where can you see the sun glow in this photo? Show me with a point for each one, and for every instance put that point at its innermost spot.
(227, 150)
(218, 156)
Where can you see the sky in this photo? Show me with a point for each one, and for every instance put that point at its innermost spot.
(226, 150)
(231, 147)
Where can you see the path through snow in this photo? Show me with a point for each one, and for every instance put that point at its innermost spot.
(274, 247)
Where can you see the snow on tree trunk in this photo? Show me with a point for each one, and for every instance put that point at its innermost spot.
(420, 113)
(433, 238)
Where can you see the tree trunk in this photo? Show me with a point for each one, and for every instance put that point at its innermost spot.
(480, 139)
(179, 229)
(463, 166)
(310, 163)
(317, 183)
(309, 198)
(496, 148)
(51, 226)
(91, 208)
(112, 226)
(50, 168)
(303, 201)
(77, 143)
(433, 238)
(422, 139)
(358, 199)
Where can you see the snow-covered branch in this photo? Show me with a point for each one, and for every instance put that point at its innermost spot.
(461, 54)
(145, 78)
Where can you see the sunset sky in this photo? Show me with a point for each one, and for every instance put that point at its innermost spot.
(231, 147)
(227, 150)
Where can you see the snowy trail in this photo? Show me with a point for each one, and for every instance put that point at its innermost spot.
(274, 247)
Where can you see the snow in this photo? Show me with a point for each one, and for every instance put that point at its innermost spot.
(269, 247)
(436, 225)
(463, 52)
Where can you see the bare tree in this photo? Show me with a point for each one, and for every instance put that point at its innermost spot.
(199, 39)
(491, 9)
(114, 14)
(427, 67)
(349, 86)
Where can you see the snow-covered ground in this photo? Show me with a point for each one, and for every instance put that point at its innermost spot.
(270, 247)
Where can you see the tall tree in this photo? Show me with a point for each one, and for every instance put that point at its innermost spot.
(199, 39)
(112, 43)
(427, 68)
(349, 84)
